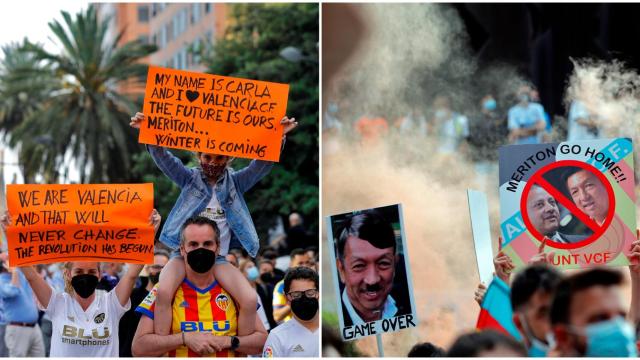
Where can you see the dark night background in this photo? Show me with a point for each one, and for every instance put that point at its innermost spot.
(540, 39)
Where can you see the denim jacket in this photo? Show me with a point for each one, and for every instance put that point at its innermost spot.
(196, 193)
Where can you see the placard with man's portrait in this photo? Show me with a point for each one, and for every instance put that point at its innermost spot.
(371, 272)
(576, 197)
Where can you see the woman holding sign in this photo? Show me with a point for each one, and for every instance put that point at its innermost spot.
(84, 321)
(215, 191)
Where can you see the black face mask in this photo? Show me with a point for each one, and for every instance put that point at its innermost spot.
(84, 285)
(266, 278)
(154, 278)
(305, 308)
(201, 260)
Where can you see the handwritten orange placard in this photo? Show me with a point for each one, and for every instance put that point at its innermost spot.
(90, 222)
(213, 114)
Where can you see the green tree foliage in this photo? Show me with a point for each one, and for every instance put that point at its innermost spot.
(81, 114)
(254, 38)
(24, 83)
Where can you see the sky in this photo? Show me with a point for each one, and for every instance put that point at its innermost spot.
(28, 18)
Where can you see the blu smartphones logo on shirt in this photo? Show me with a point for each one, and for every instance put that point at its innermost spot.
(79, 333)
(189, 326)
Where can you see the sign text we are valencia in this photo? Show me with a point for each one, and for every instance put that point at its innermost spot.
(94, 222)
(214, 114)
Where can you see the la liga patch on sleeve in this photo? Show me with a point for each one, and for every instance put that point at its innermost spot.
(268, 352)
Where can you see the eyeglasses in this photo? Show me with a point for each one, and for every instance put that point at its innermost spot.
(293, 295)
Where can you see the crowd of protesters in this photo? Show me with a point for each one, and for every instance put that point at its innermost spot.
(247, 299)
(26, 330)
(582, 313)
(475, 131)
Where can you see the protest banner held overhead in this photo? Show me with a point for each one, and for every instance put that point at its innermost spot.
(94, 222)
(576, 197)
(368, 242)
(213, 113)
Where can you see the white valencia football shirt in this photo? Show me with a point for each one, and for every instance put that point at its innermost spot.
(291, 339)
(91, 333)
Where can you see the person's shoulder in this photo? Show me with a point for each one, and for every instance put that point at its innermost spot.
(280, 329)
(150, 296)
(147, 305)
(278, 272)
(536, 106)
(59, 297)
(285, 327)
(104, 295)
(460, 117)
(274, 344)
(217, 285)
(197, 173)
(280, 286)
(345, 314)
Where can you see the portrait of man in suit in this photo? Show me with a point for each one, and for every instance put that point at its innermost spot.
(372, 277)
(588, 193)
(544, 214)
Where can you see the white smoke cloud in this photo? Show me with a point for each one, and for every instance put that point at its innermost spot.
(611, 91)
(413, 53)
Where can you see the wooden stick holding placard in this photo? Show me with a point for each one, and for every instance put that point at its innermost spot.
(380, 348)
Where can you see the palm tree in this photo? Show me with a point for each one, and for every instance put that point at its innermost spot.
(82, 115)
(24, 84)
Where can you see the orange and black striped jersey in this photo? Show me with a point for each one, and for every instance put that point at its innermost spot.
(211, 309)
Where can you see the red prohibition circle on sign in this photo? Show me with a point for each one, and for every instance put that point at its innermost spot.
(536, 178)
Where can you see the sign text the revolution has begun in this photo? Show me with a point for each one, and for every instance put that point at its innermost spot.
(94, 222)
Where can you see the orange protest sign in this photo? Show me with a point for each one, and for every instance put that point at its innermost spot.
(213, 114)
(90, 222)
